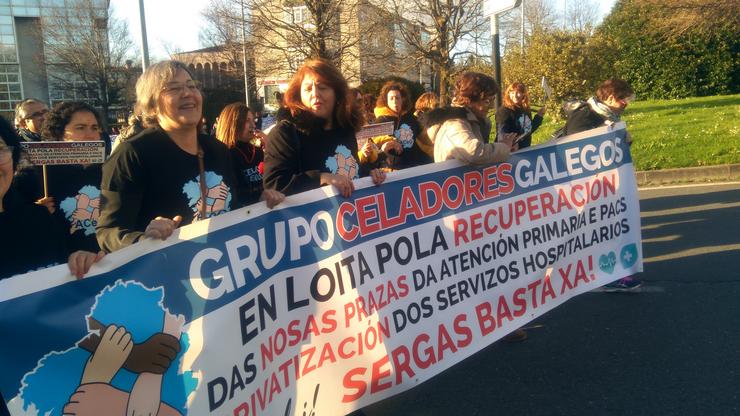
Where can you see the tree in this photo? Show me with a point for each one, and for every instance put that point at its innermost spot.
(283, 34)
(678, 17)
(437, 31)
(86, 50)
(665, 62)
(573, 62)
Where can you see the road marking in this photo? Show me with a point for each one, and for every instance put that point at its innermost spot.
(699, 185)
(686, 210)
(665, 224)
(661, 239)
(698, 251)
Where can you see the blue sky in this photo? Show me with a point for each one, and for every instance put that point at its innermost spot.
(175, 24)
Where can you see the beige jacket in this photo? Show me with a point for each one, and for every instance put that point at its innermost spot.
(462, 139)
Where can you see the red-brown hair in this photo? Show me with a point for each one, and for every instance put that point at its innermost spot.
(394, 86)
(474, 86)
(347, 113)
(518, 87)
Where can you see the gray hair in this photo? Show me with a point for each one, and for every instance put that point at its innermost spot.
(21, 108)
(149, 87)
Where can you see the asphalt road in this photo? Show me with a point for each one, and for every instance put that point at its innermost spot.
(671, 349)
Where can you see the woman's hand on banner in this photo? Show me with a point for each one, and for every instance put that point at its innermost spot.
(161, 227)
(272, 197)
(80, 262)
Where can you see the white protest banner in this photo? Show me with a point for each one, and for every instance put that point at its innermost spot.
(373, 130)
(64, 153)
(325, 304)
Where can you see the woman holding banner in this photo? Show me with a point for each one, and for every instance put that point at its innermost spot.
(169, 174)
(515, 116)
(315, 145)
(70, 192)
(32, 239)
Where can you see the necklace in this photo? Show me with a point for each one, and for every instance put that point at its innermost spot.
(244, 155)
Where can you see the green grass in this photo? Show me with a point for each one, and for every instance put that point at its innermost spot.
(702, 131)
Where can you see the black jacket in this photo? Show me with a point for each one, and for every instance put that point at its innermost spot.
(248, 163)
(32, 239)
(582, 119)
(517, 121)
(150, 176)
(298, 150)
(406, 130)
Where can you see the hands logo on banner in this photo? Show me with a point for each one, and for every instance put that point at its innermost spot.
(124, 364)
(218, 195)
(83, 210)
(343, 163)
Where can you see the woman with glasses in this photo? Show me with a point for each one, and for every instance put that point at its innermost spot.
(515, 116)
(169, 174)
(315, 145)
(73, 191)
(461, 131)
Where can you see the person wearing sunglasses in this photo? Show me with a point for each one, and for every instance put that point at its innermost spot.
(605, 108)
(29, 118)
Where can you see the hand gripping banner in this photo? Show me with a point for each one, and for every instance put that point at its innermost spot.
(325, 304)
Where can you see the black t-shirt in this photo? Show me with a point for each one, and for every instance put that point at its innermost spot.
(247, 161)
(406, 130)
(296, 157)
(583, 119)
(517, 121)
(31, 239)
(150, 176)
(76, 192)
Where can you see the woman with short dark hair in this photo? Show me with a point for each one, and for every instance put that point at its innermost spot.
(314, 144)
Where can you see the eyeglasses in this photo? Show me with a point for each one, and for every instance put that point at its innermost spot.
(37, 114)
(177, 88)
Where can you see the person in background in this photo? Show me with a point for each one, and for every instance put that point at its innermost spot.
(170, 174)
(314, 143)
(31, 239)
(606, 108)
(236, 129)
(73, 190)
(368, 107)
(394, 105)
(133, 128)
(461, 131)
(426, 102)
(515, 116)
(29, 118)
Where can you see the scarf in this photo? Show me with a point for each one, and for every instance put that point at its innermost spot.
(602, 109)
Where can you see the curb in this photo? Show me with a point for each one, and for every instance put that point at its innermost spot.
(701, 174)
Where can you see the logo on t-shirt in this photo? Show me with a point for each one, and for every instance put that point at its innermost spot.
(405, 136)
(82, 211)
(218, 195)
(343, 163)
(525, 123)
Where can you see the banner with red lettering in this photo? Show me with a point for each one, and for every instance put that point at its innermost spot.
(324, 304)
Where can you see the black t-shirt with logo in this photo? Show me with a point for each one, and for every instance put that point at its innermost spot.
(295, 156)
(76, 192)
(150, 176)
(248, 160)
